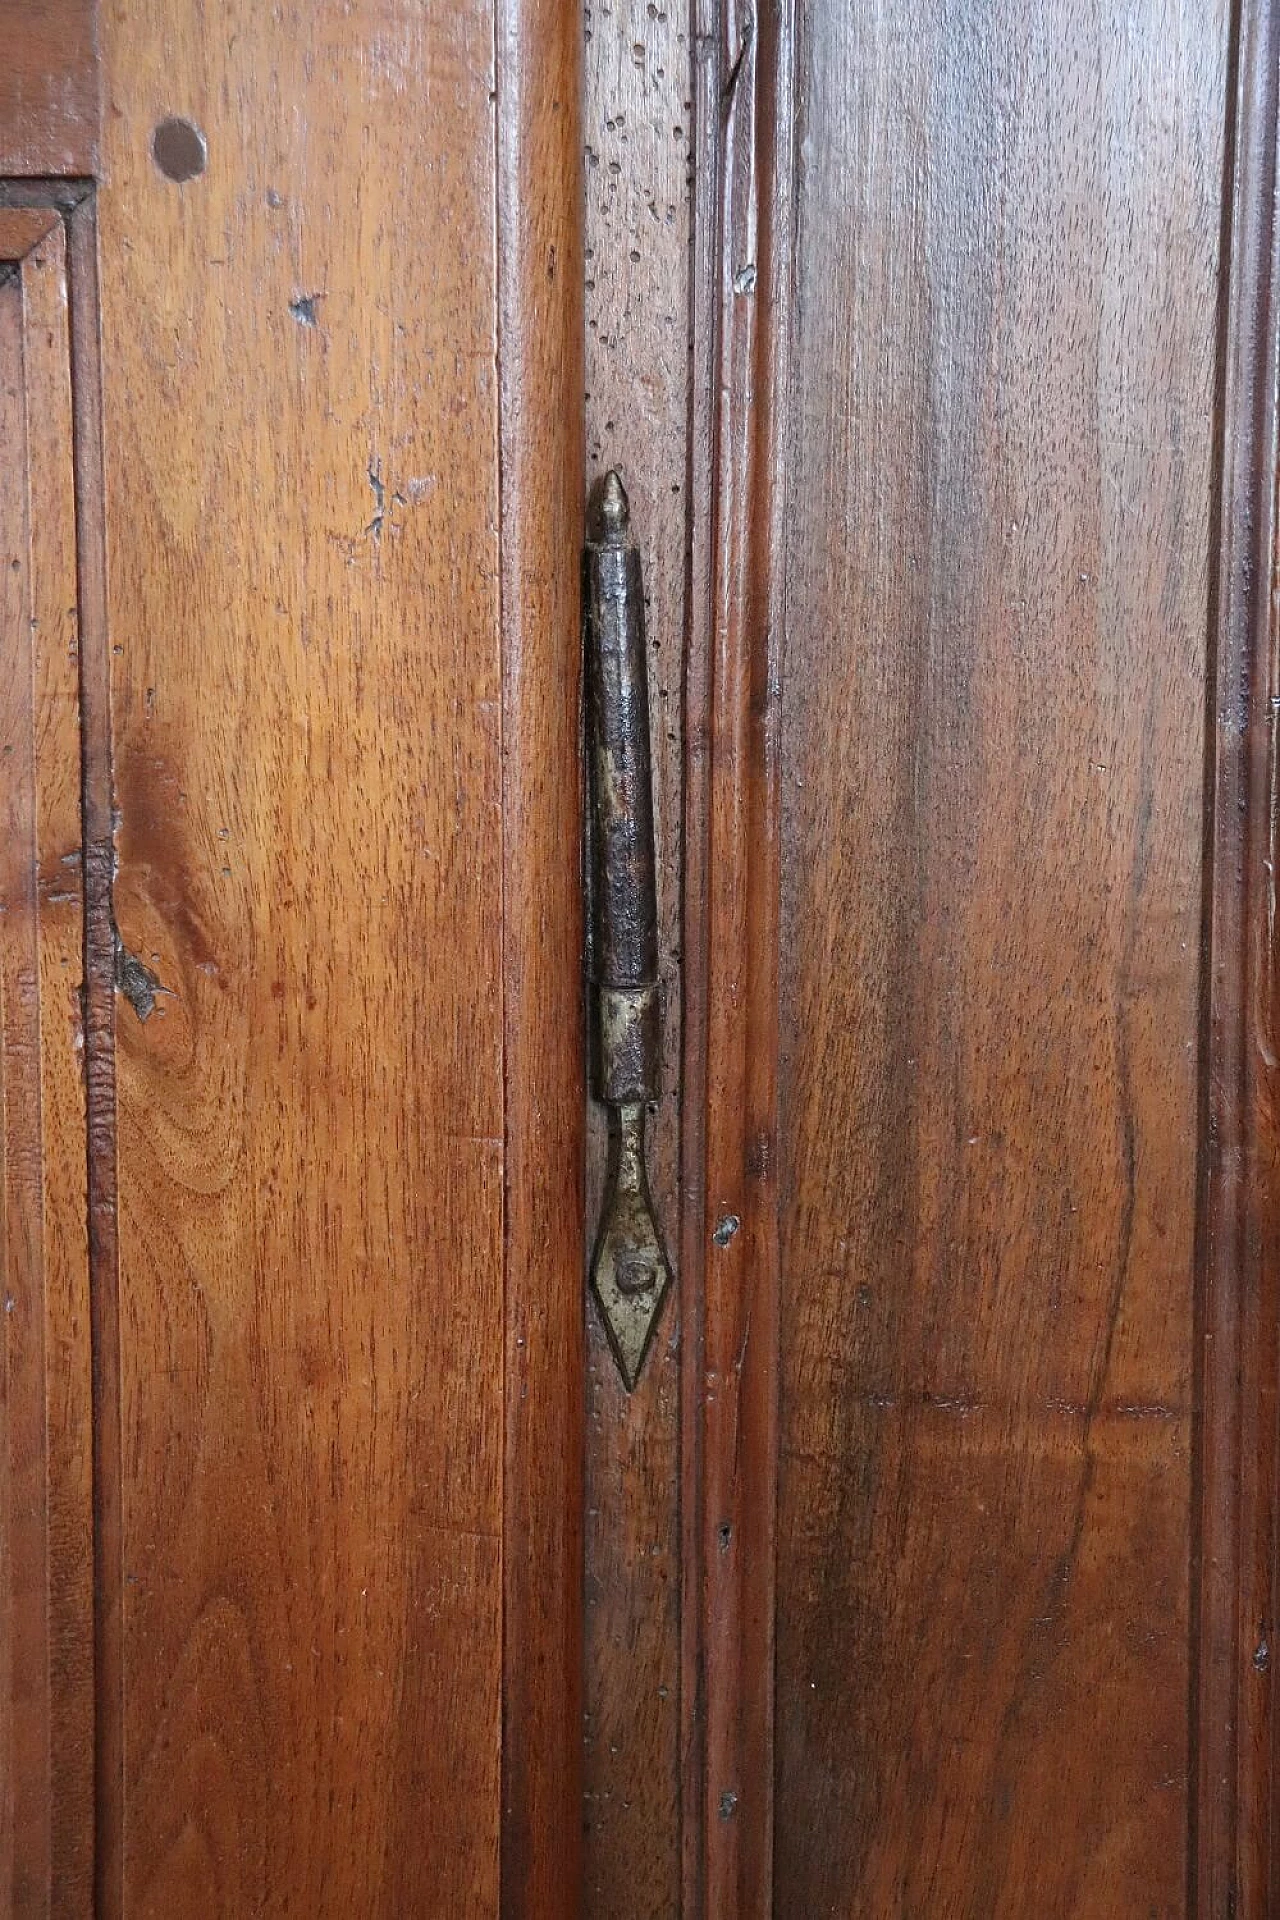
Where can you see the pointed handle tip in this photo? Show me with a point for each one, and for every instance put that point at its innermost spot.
(609, 515)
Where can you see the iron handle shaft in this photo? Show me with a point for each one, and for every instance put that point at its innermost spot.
(630, 1272)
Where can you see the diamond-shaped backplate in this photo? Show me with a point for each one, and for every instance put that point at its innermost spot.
(630, 1272)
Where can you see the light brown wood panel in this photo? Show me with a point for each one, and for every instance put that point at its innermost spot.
(338, 653)
(999, 513)
(638, 134)
(46, 1587)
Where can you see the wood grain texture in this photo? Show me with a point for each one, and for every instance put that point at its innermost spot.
(540, 332)
(742, 307)
(49, 102)
(340, 744)
(46, 1533)
(997, 549)
(638, 134)
(1234, 1866)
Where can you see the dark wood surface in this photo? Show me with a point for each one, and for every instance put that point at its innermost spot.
(49, 93)
(930, 1569)
(997, 548)
(46, 1566)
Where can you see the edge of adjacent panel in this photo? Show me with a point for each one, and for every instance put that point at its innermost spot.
(1231, 1866)
(541, 455)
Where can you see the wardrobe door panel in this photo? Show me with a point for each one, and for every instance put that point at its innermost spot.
(999, 521)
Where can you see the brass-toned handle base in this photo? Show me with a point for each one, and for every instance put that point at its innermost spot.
(629, 1270)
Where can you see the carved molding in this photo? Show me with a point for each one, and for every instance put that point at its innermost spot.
(1232, 1866)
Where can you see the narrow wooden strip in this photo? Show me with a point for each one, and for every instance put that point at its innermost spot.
(699, 603)
(638, 406)
(638, 72)
(12, 607)
(1232, 1855)
(43, 195)
(24, 1626)
(742, 255)
(99, 1060)
(60, 935)
(46, 1701)
(540, 324)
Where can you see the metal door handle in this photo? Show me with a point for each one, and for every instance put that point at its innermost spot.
(630, 1272)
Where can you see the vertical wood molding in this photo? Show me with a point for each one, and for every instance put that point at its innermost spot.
(97, 803)
(540, 354)
(46, 1468)
(741, 304)
(1232, 1864)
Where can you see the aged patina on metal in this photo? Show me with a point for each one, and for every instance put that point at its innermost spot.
(630, 1272)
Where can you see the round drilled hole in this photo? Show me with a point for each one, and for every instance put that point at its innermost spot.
(178, 149)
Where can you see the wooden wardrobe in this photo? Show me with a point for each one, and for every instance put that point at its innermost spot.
(928, 1569)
